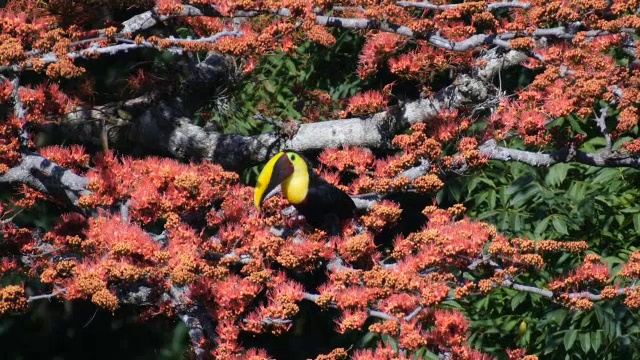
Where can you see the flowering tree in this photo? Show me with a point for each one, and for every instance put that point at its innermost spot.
(525, 112)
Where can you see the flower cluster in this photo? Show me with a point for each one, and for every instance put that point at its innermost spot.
(156, 194)
(376, 49)
(356, 159)
(12, 299)
(73, 157)
(44, 103)
(590, 272)
(365, 103)
(382, 214)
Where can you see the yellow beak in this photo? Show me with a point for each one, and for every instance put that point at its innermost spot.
(277, 170)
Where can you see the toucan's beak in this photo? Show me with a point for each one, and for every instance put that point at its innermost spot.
(277, 170)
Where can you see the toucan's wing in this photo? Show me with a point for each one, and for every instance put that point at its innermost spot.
(325, 201)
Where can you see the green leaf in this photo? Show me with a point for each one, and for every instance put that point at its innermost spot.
(183, 32)
(492, 199)
(577, 191)
(558, 316)
(420, 353)
(592, 144)
(585, 342)
(431, 356)
(519, 184)
(560, 225)
(525, 195)
(570, 338)
(596, 340)
(367, 339)
(576, 126)
(636, 222)
(269, 86)
(557, 173)
(542, 226)
(586, 319)
(621, 140)
(510, 325)
(388, 340)
(290, 65)
(517, 300)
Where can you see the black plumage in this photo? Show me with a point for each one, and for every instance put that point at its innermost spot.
(325, 206)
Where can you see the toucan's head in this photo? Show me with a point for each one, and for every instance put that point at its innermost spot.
(289, 169)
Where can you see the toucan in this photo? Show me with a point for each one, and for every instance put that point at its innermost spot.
(323, 205)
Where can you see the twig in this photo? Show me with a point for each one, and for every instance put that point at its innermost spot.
(414, 313)
(46, 296)
(551, 295)
(276, 123)
(19, 110)
(46, 252)
(603, 126)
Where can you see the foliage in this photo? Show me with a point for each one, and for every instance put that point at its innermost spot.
(565, 201)
(491, 148)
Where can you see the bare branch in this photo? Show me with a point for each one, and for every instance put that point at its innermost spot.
(163, 129)
(113, 49)
(491, 150)
(603, 126)
(47, 177)
(18, 107)
(46, 296)
(490, 7)
(414, 313)
(550, 295)
(150, 18)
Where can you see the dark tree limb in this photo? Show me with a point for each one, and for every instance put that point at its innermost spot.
(165, 128)
(199, 325)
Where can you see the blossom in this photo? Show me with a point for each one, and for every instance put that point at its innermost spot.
(376, 48)
(357, 159)
(366, 103)
(12, 299)
(382, 214)
(450, 327)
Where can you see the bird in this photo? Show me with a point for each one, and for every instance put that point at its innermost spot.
(323, 205)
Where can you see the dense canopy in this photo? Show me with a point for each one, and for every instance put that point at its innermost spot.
(490, 148)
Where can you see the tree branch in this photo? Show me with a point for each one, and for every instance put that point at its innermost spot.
(603, 126)
(199, 326)
(165, 130)
(92, 51)
(491, 150)
(150, 18)
(46, 296)
(490, 7)
(47, 177)
(550, 295)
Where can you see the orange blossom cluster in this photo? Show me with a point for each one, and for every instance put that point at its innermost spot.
(365, 103)
(44, 103)
(157, 188)
(591, 272)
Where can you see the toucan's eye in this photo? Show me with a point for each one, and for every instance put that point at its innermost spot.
(292, 157)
